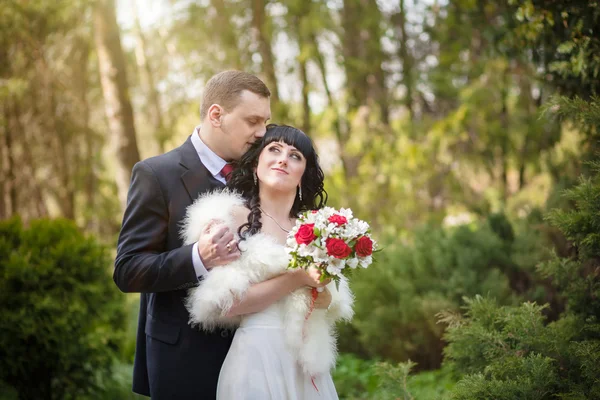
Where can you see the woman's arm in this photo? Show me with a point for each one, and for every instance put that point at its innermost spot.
(263, 294)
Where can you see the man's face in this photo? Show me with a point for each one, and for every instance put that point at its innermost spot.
(245, 124)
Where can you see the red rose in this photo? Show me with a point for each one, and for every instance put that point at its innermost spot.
(305, 234)
(337, 248)
(364, 246)
(314, 211)
(337, 219)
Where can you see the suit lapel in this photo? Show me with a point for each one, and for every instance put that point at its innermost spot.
(196, 178)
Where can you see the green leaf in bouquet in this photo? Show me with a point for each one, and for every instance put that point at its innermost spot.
(326, 275)
(317, 232)
(307, 262)
(347, 272)
(293, 262)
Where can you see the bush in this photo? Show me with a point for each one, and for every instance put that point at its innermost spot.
(62, 320)
(357, 379)
(119, 385)
(510, 352)
(354, 377)
(398, 298)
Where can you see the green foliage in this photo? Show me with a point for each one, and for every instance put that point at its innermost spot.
(132, 311)
(393, 383)
(434, 384)
(356, 379)
(464, 133)
(119, 386)
(62, 320)
(489, 331)
(579, 279)
(396, 383)
(584, 115)
(510, 352)
(398, 297)
(565, 40)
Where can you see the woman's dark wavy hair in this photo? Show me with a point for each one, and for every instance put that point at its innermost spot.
(314, 195)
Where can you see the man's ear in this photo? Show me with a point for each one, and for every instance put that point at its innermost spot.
(215, 115)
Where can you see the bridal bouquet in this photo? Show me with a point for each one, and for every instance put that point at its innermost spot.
(332, 240)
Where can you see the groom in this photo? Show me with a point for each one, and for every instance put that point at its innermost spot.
(172, 359)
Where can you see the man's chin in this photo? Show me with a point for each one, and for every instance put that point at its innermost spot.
(239, 156)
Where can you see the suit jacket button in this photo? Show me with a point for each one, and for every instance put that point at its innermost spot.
(224, 333)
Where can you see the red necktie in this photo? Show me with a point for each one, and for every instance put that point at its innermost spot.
(226, 172)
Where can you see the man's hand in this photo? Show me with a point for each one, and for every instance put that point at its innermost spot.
(323, 299)
(217, 245)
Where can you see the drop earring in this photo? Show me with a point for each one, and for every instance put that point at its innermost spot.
(255, 179)
(300, 192)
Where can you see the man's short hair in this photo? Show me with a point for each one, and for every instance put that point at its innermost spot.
(226, 87)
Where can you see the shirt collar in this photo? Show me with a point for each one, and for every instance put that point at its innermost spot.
(211, 161)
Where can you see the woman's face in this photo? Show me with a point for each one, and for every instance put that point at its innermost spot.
(280, 166)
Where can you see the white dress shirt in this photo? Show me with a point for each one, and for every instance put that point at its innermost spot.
(214, 164)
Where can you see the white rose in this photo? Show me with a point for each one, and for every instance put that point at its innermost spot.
(352, 263)
(364, 262)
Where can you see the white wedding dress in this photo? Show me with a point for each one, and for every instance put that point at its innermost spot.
(259, 366)
(276, 354)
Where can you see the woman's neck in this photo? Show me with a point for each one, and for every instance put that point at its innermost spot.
(277, 204)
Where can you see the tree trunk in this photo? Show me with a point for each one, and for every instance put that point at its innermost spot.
(399, 21)
(340, 134)
(153, 97)
(305, 92)
(353, 52)
(3, 214)
(116, 97)
(264, 47)
(365, 78)
(529, 134)
(32, 188)
(363, 56)
(297, 29)
(9, 190)
(57, 137)
(87, 179)
(115, 88)
(60, 138)
(377, 56)
(228, 34)
(353, 40)
(504, 139)
(320, 59)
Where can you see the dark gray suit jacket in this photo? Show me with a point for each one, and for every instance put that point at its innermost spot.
(172, 359)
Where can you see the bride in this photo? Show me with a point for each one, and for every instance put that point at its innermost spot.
(284, 346)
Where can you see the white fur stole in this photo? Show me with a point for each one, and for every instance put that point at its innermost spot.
(312, 341)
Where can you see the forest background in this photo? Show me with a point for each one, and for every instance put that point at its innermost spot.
(465, 131)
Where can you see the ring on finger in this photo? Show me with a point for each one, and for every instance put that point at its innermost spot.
(228, 246)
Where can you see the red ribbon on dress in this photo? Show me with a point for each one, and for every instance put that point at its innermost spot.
(313, 298)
